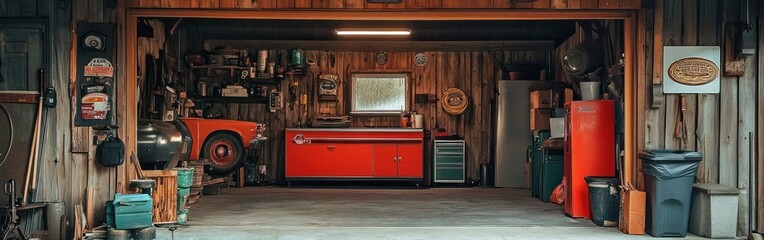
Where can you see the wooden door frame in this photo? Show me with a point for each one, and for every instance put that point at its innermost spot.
(130, 107)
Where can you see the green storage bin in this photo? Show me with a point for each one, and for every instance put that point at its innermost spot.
(129, 211)
(182, 202)
(184, 191)
(551, 173)
(185, 177)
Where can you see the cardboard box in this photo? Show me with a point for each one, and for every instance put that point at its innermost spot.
(540, 118)
(632, 215)
(541, 99)
(568, 95)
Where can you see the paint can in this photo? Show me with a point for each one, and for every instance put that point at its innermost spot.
(418, 121)
(262, 60)
(590, 90)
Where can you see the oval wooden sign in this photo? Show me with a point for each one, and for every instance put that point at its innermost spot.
(693, 71)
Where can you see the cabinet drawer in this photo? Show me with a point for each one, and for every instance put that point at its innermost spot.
(449, 159)
(449, 144)
(449, 174)
(449, 150)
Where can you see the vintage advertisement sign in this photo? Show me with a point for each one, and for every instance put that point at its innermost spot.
(95, 103)
(691, 69)
(99, 67)
(327, 90)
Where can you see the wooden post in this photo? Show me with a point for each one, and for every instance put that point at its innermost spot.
(629, 89)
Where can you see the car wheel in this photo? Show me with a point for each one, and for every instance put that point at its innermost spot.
(224, 151)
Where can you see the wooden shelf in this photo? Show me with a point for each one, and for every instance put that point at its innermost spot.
(218, 67)
(263, 81)
(231, 99)
(255, 81)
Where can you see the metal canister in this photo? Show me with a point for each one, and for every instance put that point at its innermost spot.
(262, 59)
(297, 57)
(271, 68)
(203, 89)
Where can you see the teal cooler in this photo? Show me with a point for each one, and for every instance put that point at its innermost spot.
(129, 211)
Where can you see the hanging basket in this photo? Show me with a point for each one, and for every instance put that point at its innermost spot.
(454, 101)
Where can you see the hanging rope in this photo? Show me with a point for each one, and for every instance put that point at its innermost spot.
(454, 101)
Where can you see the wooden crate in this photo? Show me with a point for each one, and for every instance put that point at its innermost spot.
(165, 195)
(198, 166)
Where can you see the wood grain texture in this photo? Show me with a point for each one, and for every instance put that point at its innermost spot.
(746, 129)
(708, 104)
(644, 63)
(690, 103)
(672, 36)
(423, 4)
(25, 9)
(728, 111)
(302, 4)
(655, 118)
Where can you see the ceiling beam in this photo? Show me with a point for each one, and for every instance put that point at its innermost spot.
(394, 46)
(388, 15)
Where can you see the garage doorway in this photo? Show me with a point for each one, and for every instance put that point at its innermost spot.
(448, 56)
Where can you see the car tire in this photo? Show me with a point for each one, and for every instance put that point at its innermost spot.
(224, 152)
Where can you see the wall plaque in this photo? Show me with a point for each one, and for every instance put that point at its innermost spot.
(691, 69)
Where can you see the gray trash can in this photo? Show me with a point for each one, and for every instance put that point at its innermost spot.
(669, 175)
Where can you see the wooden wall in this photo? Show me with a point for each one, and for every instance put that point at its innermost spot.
(717, 125)
(473, 72)
(68, 172)
(405, 4)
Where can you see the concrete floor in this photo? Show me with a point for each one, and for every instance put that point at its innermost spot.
(386, 213)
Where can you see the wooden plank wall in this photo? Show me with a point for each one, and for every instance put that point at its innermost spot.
(405, 4)
(717, 125)
(68, 167)
(473, 72)
(85, 172)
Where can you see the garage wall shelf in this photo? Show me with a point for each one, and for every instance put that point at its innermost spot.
(231, 99)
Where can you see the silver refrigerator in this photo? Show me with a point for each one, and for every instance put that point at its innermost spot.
(512, 134)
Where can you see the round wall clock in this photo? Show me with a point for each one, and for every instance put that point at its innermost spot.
(420, 59)
(381, 58)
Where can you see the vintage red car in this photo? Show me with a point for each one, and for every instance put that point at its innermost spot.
(162, 145)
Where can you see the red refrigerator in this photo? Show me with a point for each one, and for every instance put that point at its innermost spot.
(589, 150)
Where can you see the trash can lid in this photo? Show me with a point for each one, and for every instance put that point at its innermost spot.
(669, 155)
(715, 189)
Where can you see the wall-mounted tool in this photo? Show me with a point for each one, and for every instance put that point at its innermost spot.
(275, 101)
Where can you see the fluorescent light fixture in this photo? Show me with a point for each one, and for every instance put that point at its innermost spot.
(373, 32)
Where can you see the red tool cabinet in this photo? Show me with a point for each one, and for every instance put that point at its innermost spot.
(354, 153)
(589, 150)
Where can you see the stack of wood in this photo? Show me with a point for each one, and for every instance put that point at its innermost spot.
(165, 195)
